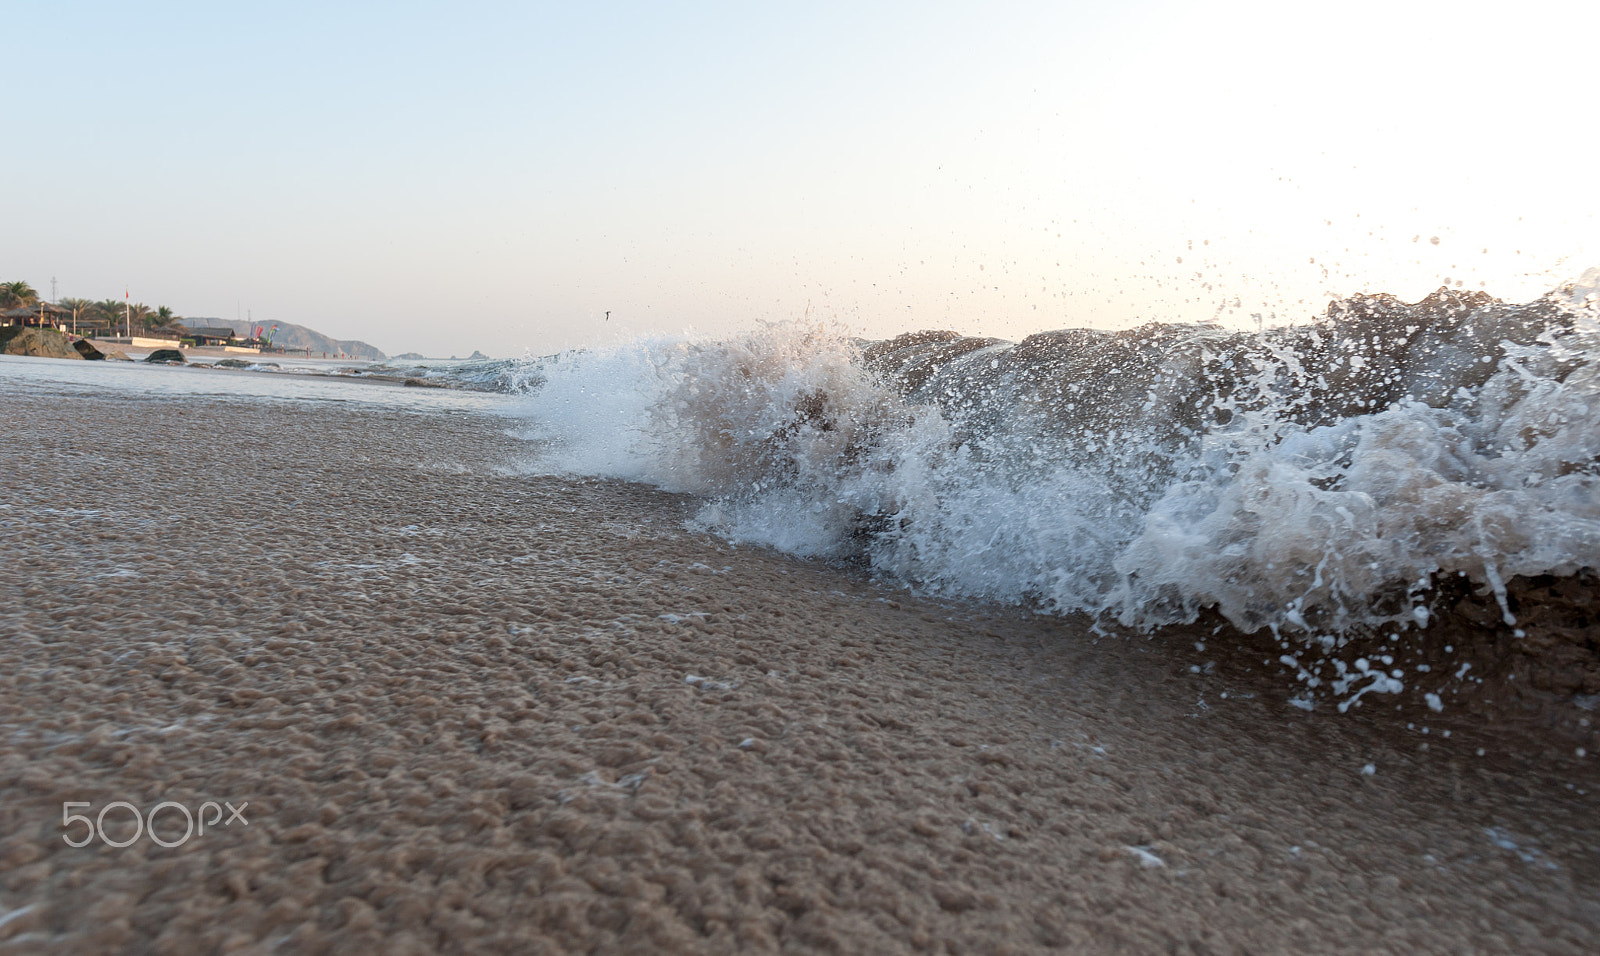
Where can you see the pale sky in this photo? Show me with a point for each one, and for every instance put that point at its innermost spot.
(497, 176)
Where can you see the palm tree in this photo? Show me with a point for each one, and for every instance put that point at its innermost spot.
(79, 307)
(15, 295)
(140, 313)
(111, 309)
(165, 317)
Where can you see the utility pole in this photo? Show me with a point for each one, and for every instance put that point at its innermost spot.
(52, 288)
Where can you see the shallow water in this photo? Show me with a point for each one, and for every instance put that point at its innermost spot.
(184, 382)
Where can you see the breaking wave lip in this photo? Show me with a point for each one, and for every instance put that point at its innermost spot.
(1316, 480)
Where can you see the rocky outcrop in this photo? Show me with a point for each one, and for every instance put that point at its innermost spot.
(96, 352)
(40, 343)
(168, 356)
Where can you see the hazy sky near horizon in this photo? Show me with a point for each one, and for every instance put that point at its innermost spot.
(496, 176)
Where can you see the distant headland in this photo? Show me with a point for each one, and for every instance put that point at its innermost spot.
(297, 338)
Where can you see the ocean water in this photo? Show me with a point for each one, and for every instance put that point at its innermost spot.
(319, 382)
(1314, 480)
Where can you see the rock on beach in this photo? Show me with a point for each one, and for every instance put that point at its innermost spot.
(99, 351)
(37, 342)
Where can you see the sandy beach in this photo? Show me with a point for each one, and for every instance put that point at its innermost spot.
(461, 708)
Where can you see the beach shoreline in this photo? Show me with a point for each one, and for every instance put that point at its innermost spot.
(473, 708)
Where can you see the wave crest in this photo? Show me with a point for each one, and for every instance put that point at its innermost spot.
(1314, 479)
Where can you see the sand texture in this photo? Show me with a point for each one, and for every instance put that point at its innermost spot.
(476, 711)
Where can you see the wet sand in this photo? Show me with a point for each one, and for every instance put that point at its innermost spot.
(476, 711)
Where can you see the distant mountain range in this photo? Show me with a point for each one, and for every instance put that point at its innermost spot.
(293, 336)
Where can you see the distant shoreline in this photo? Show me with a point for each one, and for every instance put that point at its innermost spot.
(353, 369)
(215, 351)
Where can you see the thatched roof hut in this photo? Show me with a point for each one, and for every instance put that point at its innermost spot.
(40, 313)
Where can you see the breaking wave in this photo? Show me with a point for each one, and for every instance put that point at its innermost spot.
(1308, 479)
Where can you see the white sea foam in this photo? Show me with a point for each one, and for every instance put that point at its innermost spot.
(1308, 480)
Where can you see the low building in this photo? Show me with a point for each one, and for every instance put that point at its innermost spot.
(39, 314)
(221, 335)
